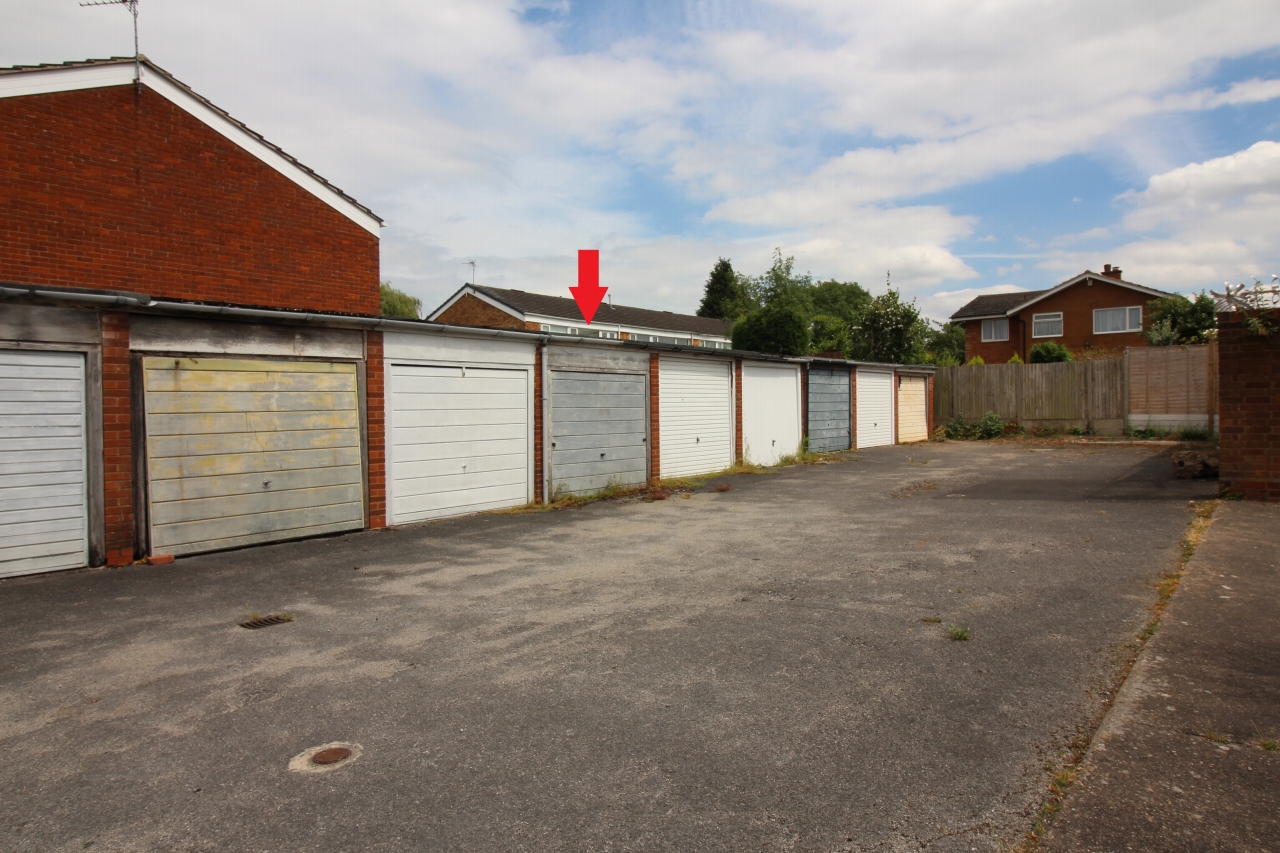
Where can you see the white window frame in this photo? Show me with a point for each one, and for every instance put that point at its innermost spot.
(1128, 318)
(994, 326)
(1047, 318)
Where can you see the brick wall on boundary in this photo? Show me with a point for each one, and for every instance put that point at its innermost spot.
(376, 428)
(117, 439)
(471, 311)
(105, 189)
(655, 468)
(737, 410)
(1249, 410)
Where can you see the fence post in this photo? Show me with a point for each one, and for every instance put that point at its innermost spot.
(1124, 416)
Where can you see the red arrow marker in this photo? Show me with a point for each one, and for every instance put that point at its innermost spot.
(588, 294)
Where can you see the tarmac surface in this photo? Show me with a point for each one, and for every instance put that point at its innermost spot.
(1189, 757)
(756, 669)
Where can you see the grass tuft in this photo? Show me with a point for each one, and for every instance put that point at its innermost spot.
(1269, 745)
(958, 633)
(1215, 737)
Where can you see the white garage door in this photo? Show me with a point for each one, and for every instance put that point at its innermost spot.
(913, 419)
(459, 440)
(598, 431)
(43, 515)
(770, 412)
(695, 416)
(875, 408)
(242, 452)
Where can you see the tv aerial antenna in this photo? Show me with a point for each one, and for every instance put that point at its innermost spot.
(472, 264)
(132, 6)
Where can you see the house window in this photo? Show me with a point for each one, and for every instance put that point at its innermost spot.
(713, 344)
(1107, 321)
(660, 339)
(1046, 325)
(559, 330)
(995, 330)
(598, 333)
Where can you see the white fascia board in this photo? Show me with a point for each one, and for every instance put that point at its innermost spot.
(982, 317)
(1071, 282)
(47, 80)
(467, 289)
(598, 322)
(177, 95)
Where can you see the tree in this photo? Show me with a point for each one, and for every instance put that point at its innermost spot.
(397, 303)
(944, 344)
(890, 330)
(724, 297)
(1178, 320)
(781, 286)
(778, 329)
(846, 300)
(1048, 352)
(830, 334)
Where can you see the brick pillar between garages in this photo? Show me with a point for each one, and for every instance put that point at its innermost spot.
(853, 409)
(655, 468)
(895, 406)
(928, 403)
(376, 428)
(117, 440)
(737, 410)
(804, 404)
(539, 355)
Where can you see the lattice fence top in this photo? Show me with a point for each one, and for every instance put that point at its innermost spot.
(1245, 297)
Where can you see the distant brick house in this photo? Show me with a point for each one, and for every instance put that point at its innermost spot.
(502, 308)
(1092, 311)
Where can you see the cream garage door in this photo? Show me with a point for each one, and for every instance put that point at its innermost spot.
(43, 515)
(913, 421)
(875, 408)
(695, 416)
(459, 440)
(770, 412)
(241, 452)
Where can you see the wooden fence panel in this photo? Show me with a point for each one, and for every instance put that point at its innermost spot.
(1051, 391)
(1170, 380)
(1105, 383)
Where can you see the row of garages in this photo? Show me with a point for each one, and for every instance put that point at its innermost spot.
(224, 433)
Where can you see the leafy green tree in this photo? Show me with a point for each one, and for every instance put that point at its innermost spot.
(780, 329)
(397, 303)
(846, 300)
(724, 297)
(1178, 320)
(944, 344)
(780, 285)
(890, 330)
(830, 334)
(1048, 352)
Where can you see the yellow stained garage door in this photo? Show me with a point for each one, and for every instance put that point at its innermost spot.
(913, 419)
(241, 452)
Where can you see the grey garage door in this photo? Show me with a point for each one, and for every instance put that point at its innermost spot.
(43, 516)
(828, 410)
(598, 431)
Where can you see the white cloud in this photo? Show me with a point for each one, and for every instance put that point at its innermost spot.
(941, 305)
(1201, 224)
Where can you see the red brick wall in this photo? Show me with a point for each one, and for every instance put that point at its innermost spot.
(928, 403)
(1077, 304)
(472, 311)
(1249, 410)
(737, 410)
(376, 423)
(655, 469)
(804, 401)
(117, 439)
(105, 189)
(895, 407)
(994, 352)
(853, 409)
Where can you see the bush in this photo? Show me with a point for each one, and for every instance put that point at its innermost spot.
(990, 425)
(977, 359)
(1014, 359)
(1049, 352)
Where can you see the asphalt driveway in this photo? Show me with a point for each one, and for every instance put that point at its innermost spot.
(746, 670)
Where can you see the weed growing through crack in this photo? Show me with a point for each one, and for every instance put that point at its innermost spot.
(1269, 745)
(1211, 735)
(959, 633)
(931, 619)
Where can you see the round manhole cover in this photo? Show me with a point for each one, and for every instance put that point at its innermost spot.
(325, 757)
(332, 755)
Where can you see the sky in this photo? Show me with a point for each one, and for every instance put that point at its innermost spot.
(950, 148)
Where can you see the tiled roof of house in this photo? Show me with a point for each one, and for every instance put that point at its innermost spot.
(565, 308)
(121, 60)
(995, 303)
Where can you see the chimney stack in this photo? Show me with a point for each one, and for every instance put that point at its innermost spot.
(1112, 272)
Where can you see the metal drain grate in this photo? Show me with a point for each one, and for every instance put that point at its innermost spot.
(267, 621)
